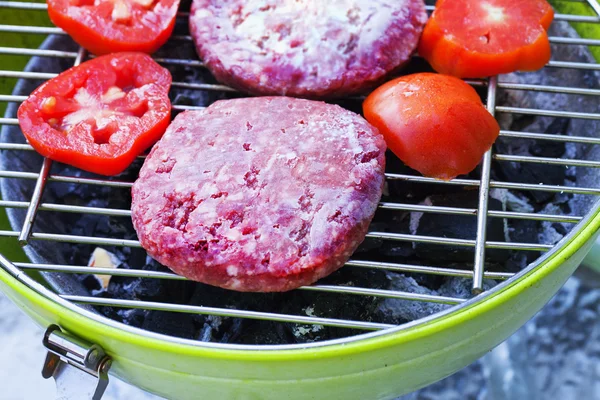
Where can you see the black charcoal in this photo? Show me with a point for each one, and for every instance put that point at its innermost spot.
(170, 323)
(455, 226)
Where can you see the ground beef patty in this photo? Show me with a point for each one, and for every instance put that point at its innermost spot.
(305, 48)
(262, 194)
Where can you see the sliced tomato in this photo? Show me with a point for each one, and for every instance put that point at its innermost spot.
(100, 115)
(436, 124)
(480, 38)
(110, 26)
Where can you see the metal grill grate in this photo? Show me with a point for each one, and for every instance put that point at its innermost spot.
(479, 244)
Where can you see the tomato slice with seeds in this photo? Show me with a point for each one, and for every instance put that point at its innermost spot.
(100, 115)
(480, 38)
(110, 26)
(436, 124)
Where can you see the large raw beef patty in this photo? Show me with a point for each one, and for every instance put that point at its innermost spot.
(305, 48)
(259, 194)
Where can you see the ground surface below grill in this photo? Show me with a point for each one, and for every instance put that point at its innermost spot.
(22, 358)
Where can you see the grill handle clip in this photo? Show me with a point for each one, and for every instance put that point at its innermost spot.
(65, 350)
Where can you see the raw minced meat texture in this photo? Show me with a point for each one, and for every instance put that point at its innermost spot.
(259, 194)
(305, 48)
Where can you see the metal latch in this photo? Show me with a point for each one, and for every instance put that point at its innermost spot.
(66, 351)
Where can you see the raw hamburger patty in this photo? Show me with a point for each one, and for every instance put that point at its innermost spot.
(261, 194)
(305, 48)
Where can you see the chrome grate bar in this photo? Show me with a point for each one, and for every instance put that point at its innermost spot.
(36, 197)
(400, 237)
(37, 52)
(545, 136)
(42, 6)
(547, 113)
(407, 178)
(57, 31)
(223, 312)
(35, 201)
(549, 161)
(484, 193)
(138, 273)
(113, 212)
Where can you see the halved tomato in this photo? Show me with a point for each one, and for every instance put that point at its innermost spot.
(436, 124)
(100, 115)
(110, 26)
(480, 38)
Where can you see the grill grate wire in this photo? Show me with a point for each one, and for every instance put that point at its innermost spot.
(479, 244)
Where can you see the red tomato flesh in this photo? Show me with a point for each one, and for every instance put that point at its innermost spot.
(436, 124)
(480, 38)
(110, 26)
(100, 115)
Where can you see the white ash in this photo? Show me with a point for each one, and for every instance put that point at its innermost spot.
(549, 234)
(407, 310)
(386, 188)
(213, 323)
(415, 217)
(586, 177)
(310, 311)
(303, 330)
(518, 202)
(462, 288)
(502, 196)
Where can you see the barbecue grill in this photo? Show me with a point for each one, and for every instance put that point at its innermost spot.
(359, 356)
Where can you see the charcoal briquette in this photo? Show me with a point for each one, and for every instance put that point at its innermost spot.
(170, 323)
(456, 226)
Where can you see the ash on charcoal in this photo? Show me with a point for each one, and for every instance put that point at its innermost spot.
(312, 332)
(520, 231)
(518, 202)
(152, 289)
(553, 232)
(400, 311)
(532, 172)
(133, 317)
(209, 324)
(462, 288)
(548, 174)
(330, 305)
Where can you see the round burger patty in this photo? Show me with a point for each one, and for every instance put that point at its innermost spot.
(259, 194)
(305, 48)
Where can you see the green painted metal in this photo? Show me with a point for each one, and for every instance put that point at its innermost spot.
(584, 29)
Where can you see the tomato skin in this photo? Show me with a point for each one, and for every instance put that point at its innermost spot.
(100, 115)
(436, 124)
(463, 39)
(93, 28)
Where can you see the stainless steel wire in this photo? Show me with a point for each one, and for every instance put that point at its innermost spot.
(477, 273)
